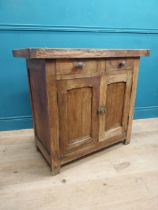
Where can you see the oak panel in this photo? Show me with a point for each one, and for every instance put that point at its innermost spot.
(115, 104)
(79, 111)
(76, 66)
(114, 96)
(78, 53)
(37, 81)
(78, 102)
(119, 64)
(82, 99)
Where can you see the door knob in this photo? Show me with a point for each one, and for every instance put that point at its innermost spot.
(78, 65)
(101, 110)
(121, 64)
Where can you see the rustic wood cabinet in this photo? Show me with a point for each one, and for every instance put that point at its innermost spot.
(82, 99)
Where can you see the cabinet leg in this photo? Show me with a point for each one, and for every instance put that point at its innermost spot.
(55, 170)
(126, 141)
(37, 148)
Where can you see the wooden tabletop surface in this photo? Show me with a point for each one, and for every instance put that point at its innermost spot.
(49, 53)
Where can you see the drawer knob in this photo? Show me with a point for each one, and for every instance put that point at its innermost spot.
(101, 110)
(121, 64)
(78, 65)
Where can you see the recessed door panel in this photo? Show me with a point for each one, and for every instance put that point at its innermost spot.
(115, 104)
(78, 120)
(115, 97)
(79, 111)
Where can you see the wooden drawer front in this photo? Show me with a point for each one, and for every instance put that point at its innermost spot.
(119, 64)
(76, 68)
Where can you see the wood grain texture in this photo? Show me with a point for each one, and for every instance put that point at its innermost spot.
(115, 96)
(82, 100)
(132, 100)
(53, 117)
(43, 151)
(118, 178)
(77, 53)
(91, 148)
(37, 83)
(115, 104)
(117, 64)
(77, 68)
(78, 102)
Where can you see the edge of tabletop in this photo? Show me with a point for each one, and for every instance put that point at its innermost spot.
(31, 53)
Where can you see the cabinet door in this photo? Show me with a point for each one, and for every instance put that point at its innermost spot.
(78, 100)
(115, 100)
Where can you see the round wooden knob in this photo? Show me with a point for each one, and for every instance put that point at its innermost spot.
(78, 65)
(122, 64)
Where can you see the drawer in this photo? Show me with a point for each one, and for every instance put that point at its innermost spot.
(76, 68)
(117, 64)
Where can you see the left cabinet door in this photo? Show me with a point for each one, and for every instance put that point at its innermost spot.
(78, 100)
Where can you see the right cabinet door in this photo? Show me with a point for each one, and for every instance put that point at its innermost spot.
(115, 92)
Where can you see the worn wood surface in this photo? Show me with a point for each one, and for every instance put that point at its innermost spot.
(78, 102)
(78, 53)
(115, 96)
(132, 101)
(81, 102)
(118, 64)
(76, 66)
(118, 178)
(53, 116)
(37, 84)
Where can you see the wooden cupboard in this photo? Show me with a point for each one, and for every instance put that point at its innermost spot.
(82, 99)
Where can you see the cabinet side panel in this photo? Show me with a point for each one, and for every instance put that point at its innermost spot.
(36, 72)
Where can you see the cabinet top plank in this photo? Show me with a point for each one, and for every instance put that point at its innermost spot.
(53, 53)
